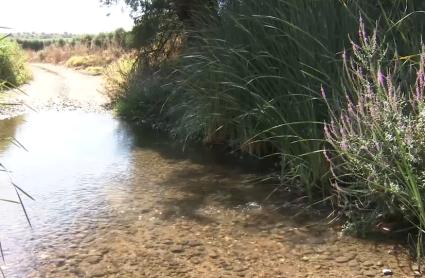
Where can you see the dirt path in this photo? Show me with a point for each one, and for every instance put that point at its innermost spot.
(55, 88)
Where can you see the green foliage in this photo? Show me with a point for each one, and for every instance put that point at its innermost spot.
(86, 40)
(61, 42)
(252, 79)
(35, 45)
(13, 71)
(142, 102)
(117, 76)
(119, 38)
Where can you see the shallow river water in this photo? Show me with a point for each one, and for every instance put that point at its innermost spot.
(113, 202)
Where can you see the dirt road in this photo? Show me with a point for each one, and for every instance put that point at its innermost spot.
(55, 88)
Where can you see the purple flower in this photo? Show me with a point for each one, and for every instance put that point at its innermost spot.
(381, 79)
(327, 132)
(362, 31)
(355, 47)
(347, 120)
(418, 95)
(420, 84)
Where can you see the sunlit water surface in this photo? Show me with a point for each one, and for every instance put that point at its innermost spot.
(112, 202)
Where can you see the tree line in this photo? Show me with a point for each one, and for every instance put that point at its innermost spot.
(119, 38)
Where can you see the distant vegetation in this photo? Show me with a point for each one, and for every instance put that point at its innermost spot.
(43, 36)
(36, 41)
(90, 53)
(334, 90)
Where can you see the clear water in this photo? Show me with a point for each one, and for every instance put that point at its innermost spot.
(112, 201)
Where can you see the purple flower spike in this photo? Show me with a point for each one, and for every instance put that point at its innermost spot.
(327, 132)
(381, 79)
(362, 31)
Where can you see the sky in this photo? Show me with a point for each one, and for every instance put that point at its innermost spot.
(58, 16)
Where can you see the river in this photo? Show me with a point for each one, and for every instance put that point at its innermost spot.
(112, 200)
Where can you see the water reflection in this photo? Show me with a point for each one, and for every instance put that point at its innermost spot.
(70, 157)
(113, 201)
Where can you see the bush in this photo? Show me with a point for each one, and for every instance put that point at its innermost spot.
(116, 77)
(81, 61)
(378, 141)
(144, 102)
(13, 71)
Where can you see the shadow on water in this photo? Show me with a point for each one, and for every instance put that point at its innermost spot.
(217, 189)
(199, 177)
(170, 148)
(228, 182)
(222, 179)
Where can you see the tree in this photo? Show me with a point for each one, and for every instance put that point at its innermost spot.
(119, 37)
(185, 10)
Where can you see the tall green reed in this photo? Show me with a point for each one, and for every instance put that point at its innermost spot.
(252, 78)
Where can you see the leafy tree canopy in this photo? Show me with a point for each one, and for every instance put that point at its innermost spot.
(183, 9)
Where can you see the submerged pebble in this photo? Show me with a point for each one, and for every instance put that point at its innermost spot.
(387, 271)
(143, 211)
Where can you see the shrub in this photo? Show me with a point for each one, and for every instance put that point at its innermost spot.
(144, 102)
(13, 71)
(116, 76)
(377, 153)
(81, 61)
